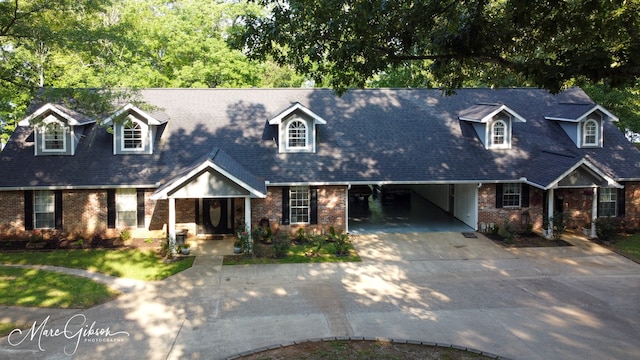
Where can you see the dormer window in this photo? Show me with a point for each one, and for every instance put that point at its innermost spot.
(297, 129)
(499, 129)
(493, 124)
(132, 136)
(590, 133)
(54, 138)
(135, 131)
(297, 135)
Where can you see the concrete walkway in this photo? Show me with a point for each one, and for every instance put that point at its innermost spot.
(547, 303)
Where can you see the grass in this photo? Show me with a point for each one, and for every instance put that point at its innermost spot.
(628, 245)
(297, 254)
(6, 328)
(38, 288)
(133, 264)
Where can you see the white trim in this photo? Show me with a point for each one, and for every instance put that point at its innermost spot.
(297, 106)
(597, 136)
(208, 164)
(50, 107)
(585, 115)
(610, 181)
(43, 136)
(144, 135)
(488, 118)
(506, 144)
(132, 108)
(308, 146)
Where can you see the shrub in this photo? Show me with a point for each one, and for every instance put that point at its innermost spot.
(607, 227)
(340, 240)
(281, 245)
(125, 234)
(507, 232)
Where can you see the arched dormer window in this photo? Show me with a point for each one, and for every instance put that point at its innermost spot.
(297, 135)
(53, 138)
(590, 133)
(498, 133)
(132, 136)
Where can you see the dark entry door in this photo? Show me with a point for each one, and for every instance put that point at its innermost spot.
(215, 216)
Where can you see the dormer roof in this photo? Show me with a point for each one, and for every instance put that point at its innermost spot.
(72, 117)
(575, 112)
(157, 118)
(293, 108)
(483, 113)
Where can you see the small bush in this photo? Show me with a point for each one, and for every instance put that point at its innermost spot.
(608, 227)
(507, 232)
(125, 234)
(281, 245)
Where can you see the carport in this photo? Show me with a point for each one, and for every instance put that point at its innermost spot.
(412, 208)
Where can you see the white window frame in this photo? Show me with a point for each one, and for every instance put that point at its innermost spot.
(608, 196)
(50, 132)
(291, 139)
(299, 205)
(595, 134)
(44, 209)
(503, 136)
(131, 124)
(126, 208)
(511, 191)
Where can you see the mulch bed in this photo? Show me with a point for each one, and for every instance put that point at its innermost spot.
(527, 241)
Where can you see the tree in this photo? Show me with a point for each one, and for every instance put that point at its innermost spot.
(546, 43)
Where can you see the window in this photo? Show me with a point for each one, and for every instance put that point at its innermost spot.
(53, 138)
(44, 209)
(499, 131)
(126, 207)
(607, 202)
(590, 134)
(299, 205)
(132, 136)
(297, 134)
(511, 195)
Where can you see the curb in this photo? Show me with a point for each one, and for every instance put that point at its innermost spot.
(360, 338)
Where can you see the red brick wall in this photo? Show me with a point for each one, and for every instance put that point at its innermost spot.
(332, 209)
(488, 213)
(84, 212)
(11, 214)
(632, 205)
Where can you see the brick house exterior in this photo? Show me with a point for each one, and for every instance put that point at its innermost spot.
(208, 160)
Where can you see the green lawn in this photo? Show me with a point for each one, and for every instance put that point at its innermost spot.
(133, 264)
(296, 255)
(628, 245)
(38, 288)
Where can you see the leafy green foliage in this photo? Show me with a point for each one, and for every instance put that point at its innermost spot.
(608, 227)
(281, 245)
(544, 43)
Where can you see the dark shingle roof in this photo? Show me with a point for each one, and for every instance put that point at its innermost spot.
(373, 135)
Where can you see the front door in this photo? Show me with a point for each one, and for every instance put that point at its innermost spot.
(215, 216)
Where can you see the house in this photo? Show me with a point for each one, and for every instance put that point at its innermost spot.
(207, 160)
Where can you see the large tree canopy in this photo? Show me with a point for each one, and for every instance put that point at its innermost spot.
(545, 43)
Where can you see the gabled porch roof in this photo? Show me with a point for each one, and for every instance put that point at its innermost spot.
(551, 170)
(216, 174)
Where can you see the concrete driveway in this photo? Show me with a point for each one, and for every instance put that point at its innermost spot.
(548, 303)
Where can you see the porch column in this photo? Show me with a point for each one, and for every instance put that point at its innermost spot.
(171, 227)
(550, 208)
(594, 212)
(247, 217)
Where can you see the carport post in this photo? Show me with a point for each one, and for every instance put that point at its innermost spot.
(550, 208)
(594, 212)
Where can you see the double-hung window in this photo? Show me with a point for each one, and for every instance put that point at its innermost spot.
(53, 138)
(511, 195)
(126, 207)
(299, 198)
(590, 133)
(132, 136)
(44, 209)
(499, 133)
(297, 135)
(607, 201)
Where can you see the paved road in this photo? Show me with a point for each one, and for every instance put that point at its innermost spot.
(547, 303)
